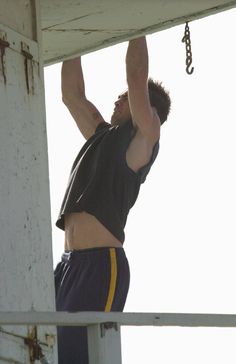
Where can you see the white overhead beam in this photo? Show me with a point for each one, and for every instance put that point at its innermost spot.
(79, 27)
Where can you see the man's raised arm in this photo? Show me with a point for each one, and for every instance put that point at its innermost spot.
(85, 114)
(143, 114)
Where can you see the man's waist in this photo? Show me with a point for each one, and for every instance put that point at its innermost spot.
(83, 230)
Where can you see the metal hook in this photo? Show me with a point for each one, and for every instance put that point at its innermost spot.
(189, 72)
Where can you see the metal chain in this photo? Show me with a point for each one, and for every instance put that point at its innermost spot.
(186, 39)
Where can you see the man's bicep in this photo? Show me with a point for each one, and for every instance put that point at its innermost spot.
(86, 116)
(144, 116)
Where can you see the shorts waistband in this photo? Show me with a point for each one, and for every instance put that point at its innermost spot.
(68, 255)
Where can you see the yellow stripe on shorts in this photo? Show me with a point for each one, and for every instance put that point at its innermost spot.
(112, 287)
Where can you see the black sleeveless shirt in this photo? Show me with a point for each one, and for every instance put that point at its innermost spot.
(101, 183)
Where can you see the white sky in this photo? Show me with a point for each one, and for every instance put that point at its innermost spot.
(180, 235)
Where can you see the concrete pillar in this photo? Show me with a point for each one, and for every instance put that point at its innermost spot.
(26, 268)
(104, 343)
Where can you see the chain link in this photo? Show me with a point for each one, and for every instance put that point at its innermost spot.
(186, 39)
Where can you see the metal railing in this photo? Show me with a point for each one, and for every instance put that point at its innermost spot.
(104, 338)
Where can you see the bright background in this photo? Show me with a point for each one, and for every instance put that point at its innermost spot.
(180, 236)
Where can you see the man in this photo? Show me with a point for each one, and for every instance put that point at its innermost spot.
(104, 184)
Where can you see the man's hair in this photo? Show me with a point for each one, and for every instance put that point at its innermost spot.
(159, 98)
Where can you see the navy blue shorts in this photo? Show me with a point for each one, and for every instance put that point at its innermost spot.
(94, 279)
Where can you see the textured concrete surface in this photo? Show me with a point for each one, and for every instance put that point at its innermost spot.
(76, 27)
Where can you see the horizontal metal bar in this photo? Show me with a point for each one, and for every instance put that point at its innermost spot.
(126, 319)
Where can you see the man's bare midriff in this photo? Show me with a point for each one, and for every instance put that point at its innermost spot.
(83, 231)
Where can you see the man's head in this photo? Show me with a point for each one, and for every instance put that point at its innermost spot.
(159, 99)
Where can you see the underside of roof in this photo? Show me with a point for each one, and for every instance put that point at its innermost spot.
(77, 27)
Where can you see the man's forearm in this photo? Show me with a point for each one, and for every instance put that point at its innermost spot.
(137, 60)
(72, 80)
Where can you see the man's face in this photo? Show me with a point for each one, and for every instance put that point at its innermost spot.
(121, 112)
